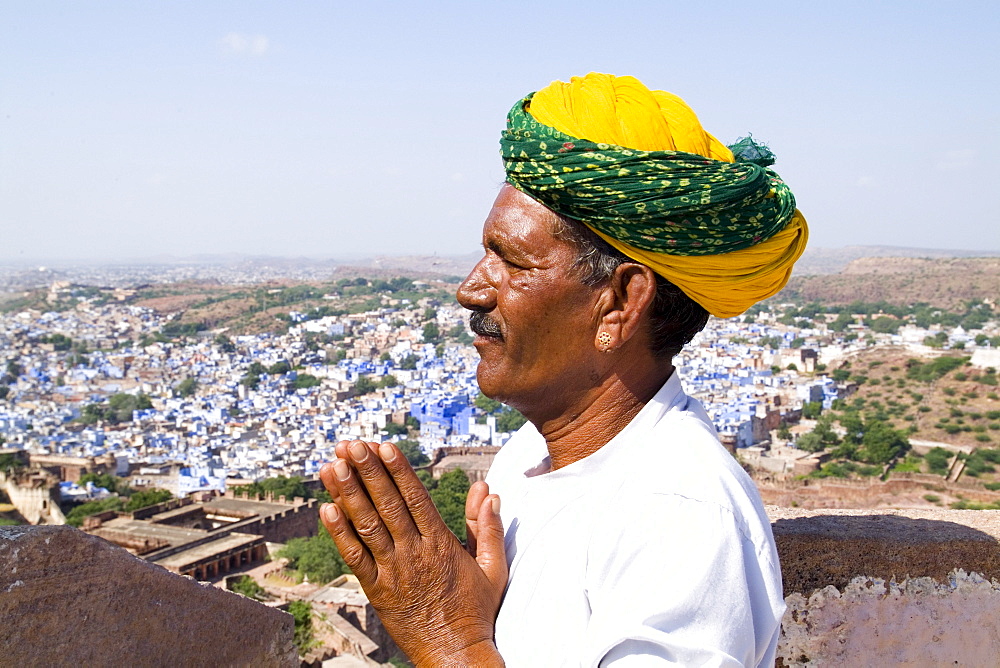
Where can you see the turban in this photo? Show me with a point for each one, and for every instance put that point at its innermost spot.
(636, 167)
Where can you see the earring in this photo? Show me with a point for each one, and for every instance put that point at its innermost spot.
(605, 340)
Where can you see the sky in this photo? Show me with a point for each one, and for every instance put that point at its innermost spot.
(132, 130)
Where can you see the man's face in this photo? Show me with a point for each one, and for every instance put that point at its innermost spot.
(535, 321)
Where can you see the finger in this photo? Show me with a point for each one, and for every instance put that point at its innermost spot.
(362, 514)
(491, 555)
(354, 552)
(341, 448)
(382, 490)
(326, 476)
(479, 491)
(422, 511)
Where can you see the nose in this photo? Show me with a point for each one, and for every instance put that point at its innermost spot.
(476, 292)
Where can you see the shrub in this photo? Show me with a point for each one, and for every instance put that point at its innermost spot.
(933, 498)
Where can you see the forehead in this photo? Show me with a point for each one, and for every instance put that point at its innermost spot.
(517, 219)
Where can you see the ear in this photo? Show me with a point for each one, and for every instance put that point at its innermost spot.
(623, 306)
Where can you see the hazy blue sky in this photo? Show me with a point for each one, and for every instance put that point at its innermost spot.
(132, 129)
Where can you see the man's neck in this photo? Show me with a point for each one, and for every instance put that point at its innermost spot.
(598, 417)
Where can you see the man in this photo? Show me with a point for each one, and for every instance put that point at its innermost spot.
(627, 535)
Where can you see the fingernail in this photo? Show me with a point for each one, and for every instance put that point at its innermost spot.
(358, 450)
(495, 505)
(341, 469)
(331, 513)
(386, 452)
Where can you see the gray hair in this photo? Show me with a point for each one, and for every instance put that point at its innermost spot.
(675, 318)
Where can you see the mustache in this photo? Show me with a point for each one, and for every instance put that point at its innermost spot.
(483, 325)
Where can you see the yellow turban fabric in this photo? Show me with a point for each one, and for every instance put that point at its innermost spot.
(622, 112)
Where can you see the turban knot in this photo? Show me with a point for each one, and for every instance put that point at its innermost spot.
(636, 167)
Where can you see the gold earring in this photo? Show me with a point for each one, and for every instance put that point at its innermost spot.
(604, 339)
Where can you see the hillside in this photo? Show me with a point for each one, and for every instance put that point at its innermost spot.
(945, 282)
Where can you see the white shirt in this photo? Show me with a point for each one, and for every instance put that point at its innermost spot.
(654, 550)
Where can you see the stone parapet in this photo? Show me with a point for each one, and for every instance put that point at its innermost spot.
(68, 598)
(893, 587)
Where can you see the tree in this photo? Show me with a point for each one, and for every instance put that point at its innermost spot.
(304, 380)
(449, 499)
(509, 419)
(841, 322)
(937, 460)
(363, 385)
(225, 344)
(317, 557)
(301, 612)
(408, 363)
(279, 368)
(809, 442)
(384, 357)
(394, 429)
(812, 409)
(147, 498)
(411, 450)
(885, 325)
(286, 486)
(4, 391)
(187, 387)
(432, 333)
(112, 483)
(248, 587)
(487, 405)
(881, 443)
(388, 380)
(117, 410)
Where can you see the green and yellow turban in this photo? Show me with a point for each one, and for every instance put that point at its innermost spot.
(635, 166)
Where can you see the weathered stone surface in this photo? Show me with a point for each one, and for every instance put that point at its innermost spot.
(830, 547)
(917, 622)
(894, 587)
(67, 598)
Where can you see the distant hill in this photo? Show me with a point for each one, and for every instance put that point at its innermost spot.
(819, 261)
(943, 282)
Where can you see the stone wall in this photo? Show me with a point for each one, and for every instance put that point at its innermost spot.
(916, 587)
(919, 587)
(68, 598)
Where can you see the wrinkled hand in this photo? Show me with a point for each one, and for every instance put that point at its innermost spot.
(437, 601)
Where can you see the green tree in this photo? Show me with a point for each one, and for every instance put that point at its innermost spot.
(112, 483)
(225, 344)
(394, 429)
(809, 442)
(432, 333)
(812, 409)
(449, 499)
(487, 405)
(885, 325)
(187, 387)
(841, 322)
(78, 513)
(317, 557)
(286, 486)
(279, 368)
(363, 385)
(304, 380)
(248, 587)
(509, 419)
(146, 498)
(388, 380)
(302, 613)
(881, 443)
(411, 450)
(408, 363)
(4, 391)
